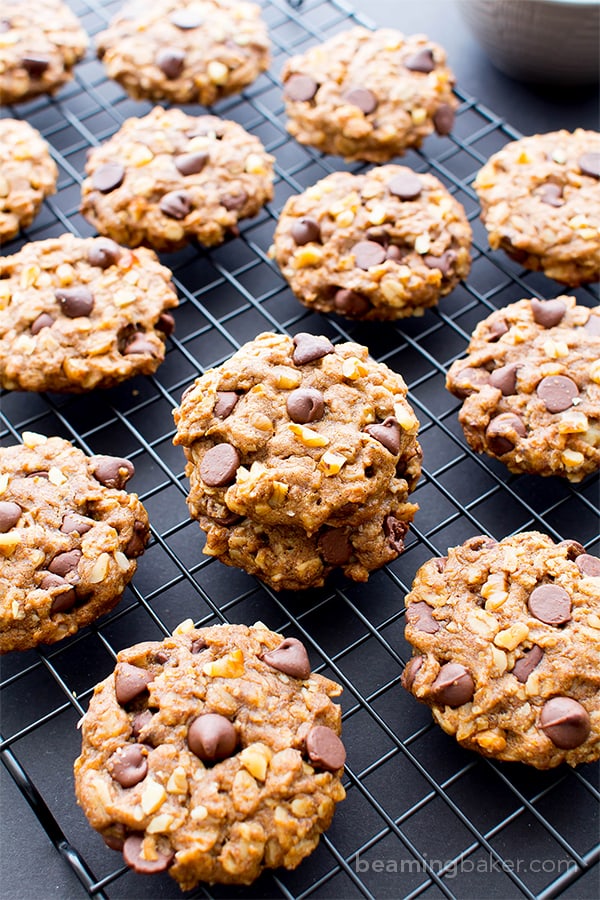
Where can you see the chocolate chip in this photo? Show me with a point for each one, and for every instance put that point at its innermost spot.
(305, 405)
(497, 329)
(395, 531)
(305, 230)
(325, 749)
(234, 202)
(137, 542)
(300, 87)
(350, 303)
(290, 657)
(505, 379)
(335, 547)
(363, 98)
(219, 465)
(166, 323)
(573, 548)
(420, 616)
(186, 18)
(588, 565)
(176, 204)
(108, 177)
(550, 603)
(406, 185)
(523, 667)
(130, 682)
(103, 253)
(162, 657)
(421, 61)
(10, 513)
(468, 380)
(589, 164)
(128, 765)
(453, 686)
(480, 542)
(368, 253)
(557, 392)
(444, 262)
(170, 60)
(65, 563)
(35, 65)
(140, 721)
(548, 313)
(198, 646)
(132, 854)
(410, 671)
(551, 194)
(211, 737)
(566, 722)
(139, 343)
(66, 599)
(503, 432)
(592, 326)
(190, 163)
(440, 563)
(310, 348)
(112, 471)
(226, 401)
(443, 119)
(75, 301)
(395, 253)
(43, 321)
(387, 433)
(116, 838)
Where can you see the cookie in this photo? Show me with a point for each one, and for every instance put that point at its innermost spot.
(540, 203)
(383, 244)
(169, 178)
(185, 51)
(506, 648)
(40, 42)
(213, 754)
(81, 313)
(27, 175)
(530, 386)
(69, 538)
(301, 457)
(369, 95)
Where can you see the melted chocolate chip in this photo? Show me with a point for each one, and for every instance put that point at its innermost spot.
(132, 854)
(325, 749)
(186, 18)
(75, 301)
(310, 348)
(139, 343)
(234, 202)
(363, 98)
(406, 185)
(548, 313)
(550, 603)
(226, 402)
(176, 204)
(468, 380)
(130, 682)
(588, 565)
(420, 616)
(305, 230)
(551, 194)
(190, 163)
(444, 262)
(35, 65)
(503, 432)
(103, 253)
(65, 563)
(335, 547)
(300, 87)
(112, 471)
(497, 329)
(589, 164)
(10, 513)
(410, 671)
(566, 722)
(443, 119)
(421, 61)
(128, 765)
(108, 177)
(290, 657)
(453, 686)
(170, 61)
(505, 379)
(573, 548)
(43, 321)
(368, 253)
(351, 303)
(211, 737)
(137, 542)
(557, 392)
(387, 433)
(523, 667)
(219, 465)
(395, 532)
(305, 405)
(63, 601)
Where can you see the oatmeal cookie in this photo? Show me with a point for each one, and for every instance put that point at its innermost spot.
(369, 94)
(540, 203)
(530, 386)
(301, 457)
(213, 754)
(40, 42)
(384, 244)
(168, 178)
(506, 648)
(69, 538)
(27, 175)
(185, 51)
(81, 313)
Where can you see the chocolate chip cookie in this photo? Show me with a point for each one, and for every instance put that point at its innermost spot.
(169, 178)
(530, 386)
(369, 94)
(214, 755)
(81, 313)
(69, 538)
(301, 456)
(383, 244)
(40, 42)
(540, 202)
(185, 51)
(506, 644)
(27, 175)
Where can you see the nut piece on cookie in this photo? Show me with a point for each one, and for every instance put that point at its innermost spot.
(70, 535)
(27, 175)
(530, 386)
(301, 457)
(214, 754)
(506, 648)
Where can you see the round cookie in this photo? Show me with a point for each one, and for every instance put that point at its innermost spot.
(530, 386)
(383, 244)
(506, 648)
(185, 51)
(69, 538)
(369, 95)
(81, 313)
(27, 175)
(169, 178)
(301, 457)
(540, 203)
(213, 754)
(40, 42)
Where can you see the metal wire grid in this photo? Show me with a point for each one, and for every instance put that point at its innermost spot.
(423, 818)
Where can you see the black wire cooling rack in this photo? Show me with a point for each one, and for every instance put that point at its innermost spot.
(423, 818)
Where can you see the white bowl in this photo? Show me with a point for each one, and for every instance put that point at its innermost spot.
(552, 41)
